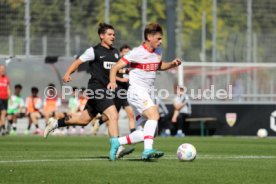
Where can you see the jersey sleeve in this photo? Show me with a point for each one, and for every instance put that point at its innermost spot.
(131, 57)
(88, 55)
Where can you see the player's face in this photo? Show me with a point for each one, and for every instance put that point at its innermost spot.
(2, 70)
(155, 40)
(108, 37)
(124, 52)
(17, 91)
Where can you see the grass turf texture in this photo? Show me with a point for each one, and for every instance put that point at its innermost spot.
(84, 160)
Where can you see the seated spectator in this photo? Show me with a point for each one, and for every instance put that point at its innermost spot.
(182, 110)
(51, 102)
(33, 106)
(15, 109)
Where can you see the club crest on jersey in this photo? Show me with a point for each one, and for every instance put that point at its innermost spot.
(231, 118)
(116, 55)
(108, 64)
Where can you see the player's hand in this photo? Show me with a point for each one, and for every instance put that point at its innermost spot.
(176, 62)
(112, 86)
(174, 119)
(66, 78)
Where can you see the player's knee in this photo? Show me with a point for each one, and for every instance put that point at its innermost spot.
(113, 117)
(154, 116)
(84, 119)
(130, 114)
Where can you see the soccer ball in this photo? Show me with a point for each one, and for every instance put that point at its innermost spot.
(186, 152)
(262, 133)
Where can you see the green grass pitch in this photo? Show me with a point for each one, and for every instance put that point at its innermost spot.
(84, 160)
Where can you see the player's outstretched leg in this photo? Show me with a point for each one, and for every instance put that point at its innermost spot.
(149, 130)
(114, 146)
(51, 125)
(151, 153)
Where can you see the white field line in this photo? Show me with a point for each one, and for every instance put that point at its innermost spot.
(168, 157)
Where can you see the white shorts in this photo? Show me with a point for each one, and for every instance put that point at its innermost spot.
(140, 100)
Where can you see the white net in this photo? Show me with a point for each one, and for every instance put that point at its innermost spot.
(241, 82)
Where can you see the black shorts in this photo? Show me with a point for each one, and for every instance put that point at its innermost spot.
(3, 104)
(119, 103)
(95, 106)
(99, 99)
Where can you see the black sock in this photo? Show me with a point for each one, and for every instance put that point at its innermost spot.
(36, 126)
(61, 122)
(10, 122)
(3, 127)
(29, 126)
(132, 130)
(101, 122)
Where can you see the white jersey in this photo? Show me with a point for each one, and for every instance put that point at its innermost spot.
(143, 65)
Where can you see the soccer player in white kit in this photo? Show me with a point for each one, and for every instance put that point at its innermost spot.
(144, 61)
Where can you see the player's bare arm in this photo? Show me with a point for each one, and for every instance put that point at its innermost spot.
(72, 68)
(168, 65)
(121, 79)
(113, 72)
(179, 106)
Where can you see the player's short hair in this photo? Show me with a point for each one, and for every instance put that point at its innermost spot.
(124, 47)
(51, 85)
(17, 86)
(34, 90)
(152, 28)
(103, 27)
(74, 88)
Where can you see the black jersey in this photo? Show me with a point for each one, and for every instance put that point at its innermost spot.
(122, 85)
(101, 60)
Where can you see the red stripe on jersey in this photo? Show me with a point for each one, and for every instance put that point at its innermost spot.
(148, 137)
(146, 66)
(138, 117)
(145, 47)
(128, 139)
(125, 60)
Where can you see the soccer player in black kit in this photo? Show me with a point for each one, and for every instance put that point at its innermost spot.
(101, 58)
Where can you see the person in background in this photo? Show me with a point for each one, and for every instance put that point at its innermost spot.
(182, 110)
(5, 94)
(33, 110)
(163, 123)
(51, 102)
(15, 109)
(82, 102)
(73, 108)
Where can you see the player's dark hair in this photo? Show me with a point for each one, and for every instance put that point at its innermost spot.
(34, 90)
(17, 86)
(51, 85)
(103, 27)
(74, 88)
(151, 29)
(124, 47)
